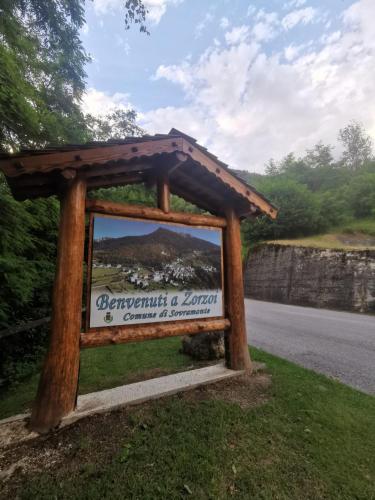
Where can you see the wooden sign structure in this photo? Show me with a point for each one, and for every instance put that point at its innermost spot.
(177, 164)
(148, 271)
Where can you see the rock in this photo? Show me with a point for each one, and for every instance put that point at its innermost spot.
(312, 277)
(204, 346)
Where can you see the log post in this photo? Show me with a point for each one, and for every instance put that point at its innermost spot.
(163, 191)
(237, 355)
(57, 391)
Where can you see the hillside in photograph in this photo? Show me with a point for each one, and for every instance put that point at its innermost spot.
(163, 259)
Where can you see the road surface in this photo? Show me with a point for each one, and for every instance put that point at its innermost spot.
(338, 344)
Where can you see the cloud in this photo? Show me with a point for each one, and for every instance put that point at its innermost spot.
(294, 4)
(263, 32)
(251, 10)
(200, 27)
(237, 35)
(267, 26)
(180, 74)
(292, 51)
(295, 17)
(97, 102)
(122, 43)
(247, 105)
(224, 23)
(156, 8)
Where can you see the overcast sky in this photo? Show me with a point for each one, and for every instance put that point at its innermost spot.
(250, 81)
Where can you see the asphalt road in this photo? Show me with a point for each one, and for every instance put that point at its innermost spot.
(338, 344)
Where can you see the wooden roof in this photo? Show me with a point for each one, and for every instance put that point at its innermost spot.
(194, 173)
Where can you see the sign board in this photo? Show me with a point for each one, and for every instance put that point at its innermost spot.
(146, 271)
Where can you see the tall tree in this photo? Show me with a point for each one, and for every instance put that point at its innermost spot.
(42, 75)
(357, 145)
(116, 124)
(319, 156)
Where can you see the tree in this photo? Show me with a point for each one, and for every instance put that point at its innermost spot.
(28, 233)
(357, 145)
(42, 75)
(117, 124)
(360, 195)
(298, 211)
(319, 156)
(271, 167)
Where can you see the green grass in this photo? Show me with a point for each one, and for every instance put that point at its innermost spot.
(353, 235)
(313, 439)
(105, 367)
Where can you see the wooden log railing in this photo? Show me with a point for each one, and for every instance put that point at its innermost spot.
(121, 334)
(150, 213)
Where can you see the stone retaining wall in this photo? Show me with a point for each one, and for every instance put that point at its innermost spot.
(334, 279)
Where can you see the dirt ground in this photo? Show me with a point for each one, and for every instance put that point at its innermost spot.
(100, 435)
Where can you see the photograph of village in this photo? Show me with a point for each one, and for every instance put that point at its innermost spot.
(131, 255)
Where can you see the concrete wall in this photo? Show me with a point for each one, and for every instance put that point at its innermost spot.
(312, 277)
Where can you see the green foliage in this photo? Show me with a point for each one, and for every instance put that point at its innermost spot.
(360, 195)
(136, 193)
(365, 226)
(357, 145)
(42, 72)
(298, 212)
(28, 234)
(117, 124)
(314, 193)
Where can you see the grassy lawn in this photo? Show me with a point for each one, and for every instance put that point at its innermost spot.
(312, 438)
(105, 367)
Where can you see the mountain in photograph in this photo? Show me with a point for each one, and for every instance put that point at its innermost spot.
(162, 260)
(157, 248)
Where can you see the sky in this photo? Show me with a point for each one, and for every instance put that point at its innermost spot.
(249, 80)
(116, 227)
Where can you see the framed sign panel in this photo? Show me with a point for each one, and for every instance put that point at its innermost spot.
(144, 271)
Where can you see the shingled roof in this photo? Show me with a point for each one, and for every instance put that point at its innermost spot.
(194, 173)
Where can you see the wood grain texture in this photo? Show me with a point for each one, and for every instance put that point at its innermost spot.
(90, 243)
(150, 213)
(238, 356)
(137, 333)
(48, 161)
(163, 191)
(229, 179)
(59, 379)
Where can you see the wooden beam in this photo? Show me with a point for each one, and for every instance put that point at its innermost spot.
(202, 188)
(229, 179)
(122, 334)
(86, 157)
(181, 159)
(116, 169)
(111, 208)
(116, 180)
(238, 357)
(186, 195)
(164, 195)
(59, 379)
(68, 174)
(45, 162)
